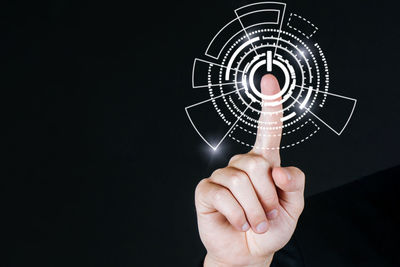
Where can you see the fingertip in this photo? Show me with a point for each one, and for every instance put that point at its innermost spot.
(262, 227)
(272, 214)
(269, 85)
(245, 227)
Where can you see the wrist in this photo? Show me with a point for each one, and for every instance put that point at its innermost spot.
(212, 262)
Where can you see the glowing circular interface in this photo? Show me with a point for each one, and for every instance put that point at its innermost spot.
(263, 38)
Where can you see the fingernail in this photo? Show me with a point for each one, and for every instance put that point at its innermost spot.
(245, 227)
(288, 175)
(262, 227)
(272, 214)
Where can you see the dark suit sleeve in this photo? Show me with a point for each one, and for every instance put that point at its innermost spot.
(353, 225)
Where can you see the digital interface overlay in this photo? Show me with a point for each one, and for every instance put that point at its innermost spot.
(265, 38)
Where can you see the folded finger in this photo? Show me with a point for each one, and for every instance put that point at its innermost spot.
(213, 197)
(241, 188)
(259, 171)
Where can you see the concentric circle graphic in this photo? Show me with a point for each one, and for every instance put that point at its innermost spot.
(264, 38)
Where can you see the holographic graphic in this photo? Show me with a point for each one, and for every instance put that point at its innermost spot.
(264, 38)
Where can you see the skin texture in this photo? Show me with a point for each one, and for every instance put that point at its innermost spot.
(249, 210)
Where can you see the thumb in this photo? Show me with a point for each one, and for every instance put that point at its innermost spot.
(290, 181)
(269, 130)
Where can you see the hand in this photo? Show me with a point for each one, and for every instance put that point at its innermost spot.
(249, 210)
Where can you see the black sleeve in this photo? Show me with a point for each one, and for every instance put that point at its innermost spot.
(353, 225)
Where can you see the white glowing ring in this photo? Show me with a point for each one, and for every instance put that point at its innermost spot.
(269, 97)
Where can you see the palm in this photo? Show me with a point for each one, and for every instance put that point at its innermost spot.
(225, 242)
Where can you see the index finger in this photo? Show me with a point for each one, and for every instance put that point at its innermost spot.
(269, 130)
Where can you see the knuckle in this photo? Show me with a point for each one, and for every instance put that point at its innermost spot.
(234, 158)
(238, 178)
(217, 172)
(259, 162)
(253, 163)
(199, 188)
(271, 199)
(220, 194)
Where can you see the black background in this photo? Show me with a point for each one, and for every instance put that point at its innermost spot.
(101, 161)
